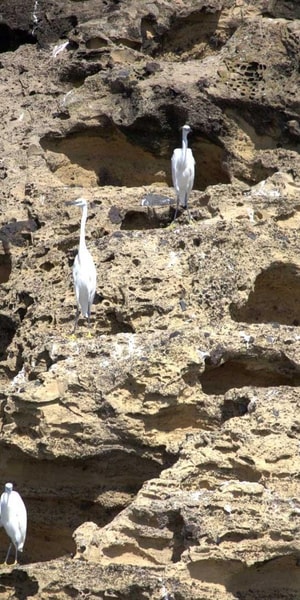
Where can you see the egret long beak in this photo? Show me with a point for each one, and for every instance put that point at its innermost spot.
(77, 202)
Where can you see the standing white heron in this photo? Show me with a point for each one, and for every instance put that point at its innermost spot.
(13, 519)
(183, 171)
(84, 270)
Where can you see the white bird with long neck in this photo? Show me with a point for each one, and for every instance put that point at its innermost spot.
(183, 171)
(13, 519)
(84, 270)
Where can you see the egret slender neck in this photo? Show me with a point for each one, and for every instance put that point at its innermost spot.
(82, 244)
(184, 143)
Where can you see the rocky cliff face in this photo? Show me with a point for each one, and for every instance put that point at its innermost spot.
(157, 454)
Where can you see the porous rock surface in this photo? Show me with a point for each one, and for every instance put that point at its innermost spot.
(157, 454)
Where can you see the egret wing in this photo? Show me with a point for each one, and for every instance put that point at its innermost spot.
(85, 277)
(21, 519)
(175, 164)
(190, 166)
(1, 508)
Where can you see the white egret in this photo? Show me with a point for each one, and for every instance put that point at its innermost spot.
(84, 270)
(183, 171)
(13, 519)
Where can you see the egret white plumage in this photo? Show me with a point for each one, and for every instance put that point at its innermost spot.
(84, 270)
(13, 519)
(183, 171)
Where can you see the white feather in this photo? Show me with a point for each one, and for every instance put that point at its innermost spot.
(84, 270)
(85, 278)
(183, 170)
(13, 518)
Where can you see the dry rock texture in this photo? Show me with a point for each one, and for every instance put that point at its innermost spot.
(159, 456)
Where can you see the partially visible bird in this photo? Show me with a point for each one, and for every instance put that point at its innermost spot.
(84, 270)
(13, 519)
(183, 171)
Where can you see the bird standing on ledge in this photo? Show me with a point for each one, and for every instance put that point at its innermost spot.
(13, 519)
(84, 270)
(183, 171)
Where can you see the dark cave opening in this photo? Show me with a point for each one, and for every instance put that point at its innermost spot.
(18, 584)
(255, 371)
(275, 297)
(8, 328)
(146, 219)
(129, 156)
(11, 39)
(5, 265)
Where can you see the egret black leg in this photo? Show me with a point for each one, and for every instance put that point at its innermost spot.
(176, 211)
(89, 334)
(76, 319)
(187, 208)
(8, 553)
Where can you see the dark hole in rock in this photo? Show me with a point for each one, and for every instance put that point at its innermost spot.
(138, 220)
(77, 71)
(20, 582)
(150, 34)
(236, 407)
(5, 267)
(275, 297)
(98, 296)
(96, 42)
(22, 312)
(131, 156)
(11, 39)
(118, 324)
(105, 177)
(254, 371)
(47, 266)
(176, 525)
(43, 360)
(8, 328)
(25, 298)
